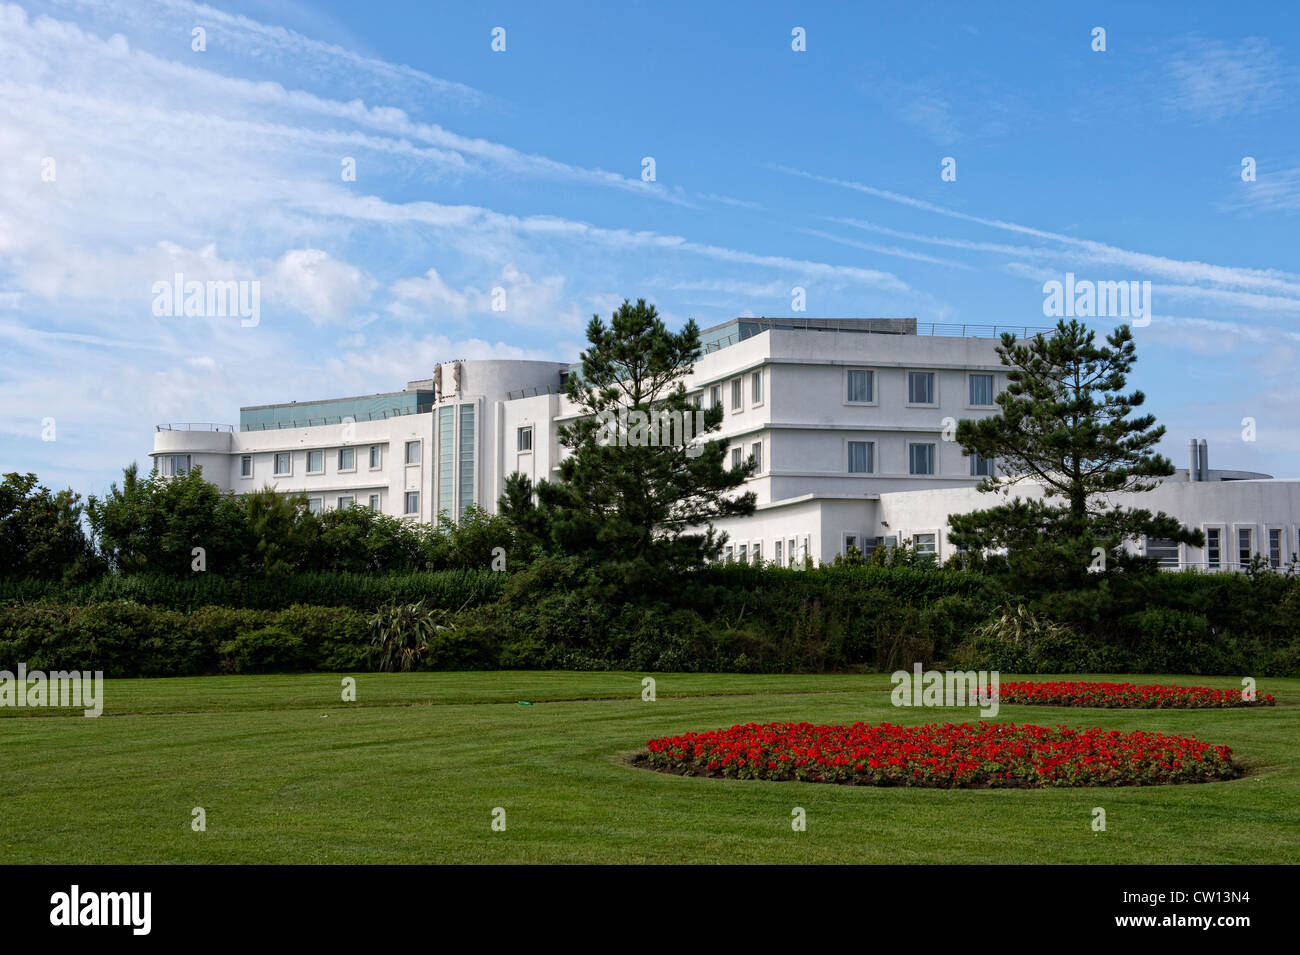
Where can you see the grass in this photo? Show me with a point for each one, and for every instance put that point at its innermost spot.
(411, 773)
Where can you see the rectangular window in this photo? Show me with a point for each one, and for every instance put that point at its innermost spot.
(374, 503)
(376, 457)
(315, 462)
(920, 459)
(698, 400)
(1164, 551)
(758, 553)
(466, 458)
(742, 553)
(524, 439)
(412, 502)
(861, 457)
(1274, 547)
(1243, 546)
(246, 466)
(981, 390)
(413, 451)
(757, 390)
(715, 396)
(924, 544)
(347, 459)
(1213, 547)
(174, 465)
(756, 452)
(314, 504)
(777, 555)
(790, 551)
(726, 553)
(850, 542)
(446, 459)
(861, 385)
(346, 501)
(282, 464)
(981, 466)
(735, 458)
(920, 387)
(735, 395)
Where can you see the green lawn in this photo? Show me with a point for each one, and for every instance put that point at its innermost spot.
(411, 773)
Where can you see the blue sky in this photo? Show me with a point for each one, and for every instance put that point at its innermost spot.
(522, 170)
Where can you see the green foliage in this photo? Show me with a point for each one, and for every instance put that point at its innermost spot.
(638, 508)
(40, 532)
(1066, 423)
(400, 634)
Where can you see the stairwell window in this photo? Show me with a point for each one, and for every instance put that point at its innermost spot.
(413, 452)
(412, 503)
(524, 439)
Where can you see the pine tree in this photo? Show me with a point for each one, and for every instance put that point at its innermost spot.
(1067, 423)
(635, 496)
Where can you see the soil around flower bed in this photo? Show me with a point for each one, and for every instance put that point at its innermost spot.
(941, 756)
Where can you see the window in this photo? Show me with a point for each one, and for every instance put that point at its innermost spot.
(861, 385)
(807, 547)
(524, 439)
(981, 390)
(981, 466)
(246, 466)
(861, 457)
(756, 452)
(726, 553)
(1213, 547)
(376, 457)
(758, 553)
(756, 380)
(735, 458)
(374, 503)
(1275, 547)
(1163, 550)
(742, 553)
(698, 400)
(314, 504)
(735, 395)
(1243, 545)
(920, 387)
(413, 450)
(174, 465)
(924, 544)
(777, 553)
(850, 542)
(283, 464)
(790, 551)
(446, 461)
(315, 462)
(412, 502)
(466, 458)
(715, 396)
(346, 501)
(920, 459)
(347, 459)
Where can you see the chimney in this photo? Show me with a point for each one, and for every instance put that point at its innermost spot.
(1205, 461)
(1193, 461)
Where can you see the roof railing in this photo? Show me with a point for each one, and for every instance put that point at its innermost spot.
(195, 426)
(928, 329)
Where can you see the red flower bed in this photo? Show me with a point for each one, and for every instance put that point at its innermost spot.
(947, 755)
(1125, 695)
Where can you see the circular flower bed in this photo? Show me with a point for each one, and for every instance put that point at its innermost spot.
(1125, 695)
(947, 755)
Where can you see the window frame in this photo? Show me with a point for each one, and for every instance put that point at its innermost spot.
(347, 470)
(934, 389)
(871, 402)
(756, 388)
(376, 453)
(934, 458)
(737, 394)
(419, 452)
(321, 469)
(848, 455)
(407, 510)
(993, 389)
(275, 464)
(245, 458)
(526, 429)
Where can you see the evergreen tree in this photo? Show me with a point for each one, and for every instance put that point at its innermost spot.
(1067, 423)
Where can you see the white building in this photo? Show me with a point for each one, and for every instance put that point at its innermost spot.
(850, 423)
